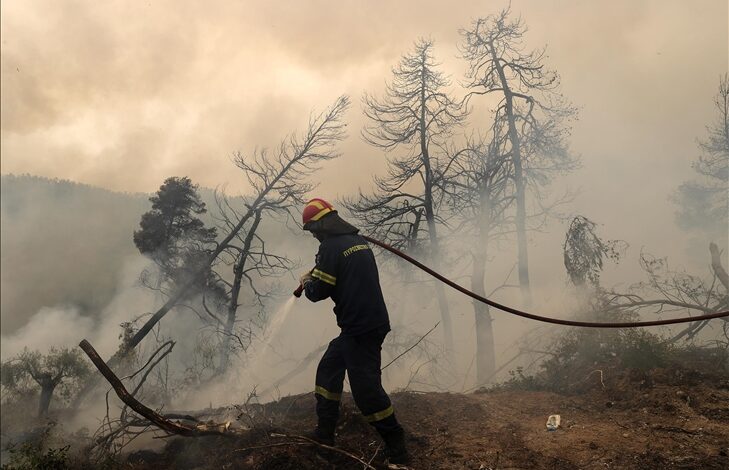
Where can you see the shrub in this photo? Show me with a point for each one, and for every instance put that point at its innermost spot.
(578, 353)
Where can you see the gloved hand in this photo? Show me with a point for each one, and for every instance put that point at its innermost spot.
(306, 277)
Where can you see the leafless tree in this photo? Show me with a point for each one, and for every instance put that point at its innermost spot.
(414, 118)
(114, 434)
(246, 252)
(240, 256)
(275, 178)
(668, 290)
(252, 264)
(530, 106)
(480, 191)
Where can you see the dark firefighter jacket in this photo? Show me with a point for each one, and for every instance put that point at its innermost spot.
(346, 271)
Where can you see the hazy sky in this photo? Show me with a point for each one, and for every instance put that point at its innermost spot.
(122, 94)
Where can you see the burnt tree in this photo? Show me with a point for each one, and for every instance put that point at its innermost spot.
(527, 100)
(295, 159)
(480, 193)
(669, 290)
(413, 119)
(274, 177)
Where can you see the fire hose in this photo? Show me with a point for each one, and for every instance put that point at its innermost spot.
(532, 316)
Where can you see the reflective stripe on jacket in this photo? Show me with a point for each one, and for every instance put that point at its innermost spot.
(346, 271)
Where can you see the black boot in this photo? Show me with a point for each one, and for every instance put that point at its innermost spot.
(395, 450)
(323, 433)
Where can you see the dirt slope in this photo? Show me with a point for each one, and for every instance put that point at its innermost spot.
(654, 426)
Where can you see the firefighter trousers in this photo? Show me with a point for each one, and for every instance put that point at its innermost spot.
(360, 357)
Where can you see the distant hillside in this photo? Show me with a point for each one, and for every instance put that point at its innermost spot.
(62, 243)
(66, 244)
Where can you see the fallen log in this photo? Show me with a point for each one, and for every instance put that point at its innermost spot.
(201, 429)
(172, 427)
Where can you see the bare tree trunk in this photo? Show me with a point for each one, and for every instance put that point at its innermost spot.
(181, 292)
(519, 182)
(127, 346)
(235, 293)
(485, 350)
(412, 244)
(148, 413)
(232, 313)
(316, 146)
(440, 293)
(315, 139)
(47, 388)
(430, 219)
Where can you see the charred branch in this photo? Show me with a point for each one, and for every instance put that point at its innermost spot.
(151, 415)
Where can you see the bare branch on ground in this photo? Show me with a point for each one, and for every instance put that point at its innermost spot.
(153, 416)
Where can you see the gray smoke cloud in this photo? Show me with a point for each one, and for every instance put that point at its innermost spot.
(65, 325)
(95, 92)
(123, 94)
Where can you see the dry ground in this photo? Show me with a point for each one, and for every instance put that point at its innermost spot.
(640, 422)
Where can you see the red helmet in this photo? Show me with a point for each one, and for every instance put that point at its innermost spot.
(315, 209)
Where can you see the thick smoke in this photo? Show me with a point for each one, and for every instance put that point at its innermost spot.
(65, 326)
(50, 327)
(94, 99)
(125, 104)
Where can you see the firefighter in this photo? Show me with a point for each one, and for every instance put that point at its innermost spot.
(346, 272)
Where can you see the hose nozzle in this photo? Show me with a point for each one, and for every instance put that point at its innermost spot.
(299, 290)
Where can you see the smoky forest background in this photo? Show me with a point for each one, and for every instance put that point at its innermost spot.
(185, 290)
